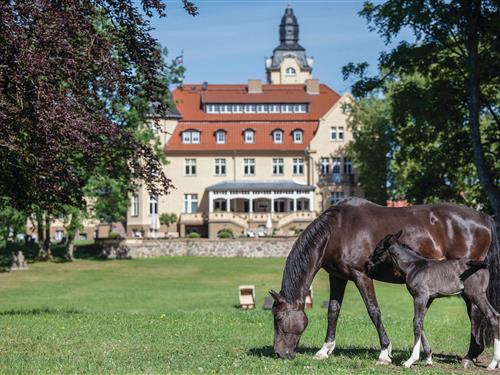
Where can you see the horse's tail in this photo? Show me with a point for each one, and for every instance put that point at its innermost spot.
(473, 267)
(493, 260)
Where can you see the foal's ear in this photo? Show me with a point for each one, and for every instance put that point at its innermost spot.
(277, 297)
(397, 235)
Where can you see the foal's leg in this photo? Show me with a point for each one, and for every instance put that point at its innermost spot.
(425, 343)
(337, 289)
(476, 345)
(367, 290)
(418, 319)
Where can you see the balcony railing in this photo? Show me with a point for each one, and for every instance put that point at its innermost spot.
(337, 179)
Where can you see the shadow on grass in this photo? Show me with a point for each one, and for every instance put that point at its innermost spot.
(41, 311)
(398, 356)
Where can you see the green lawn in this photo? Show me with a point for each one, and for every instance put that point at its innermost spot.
(178, 315)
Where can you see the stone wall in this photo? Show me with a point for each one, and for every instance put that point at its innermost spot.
(147, 247)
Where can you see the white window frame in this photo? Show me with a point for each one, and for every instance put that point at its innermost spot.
(347, 166)
(336, 164)
(333, 133)
(237, 108)
(220, 137)
(340, 133)
(153, 204)
(190, 167)
(220, 167)
(191, 137)
(247, 137)
(298, 136)
(274, 108)
(249, 167)
(135, 205)
(324, 165)
(278, 136)
(189, 201)
(290, 72)
(278, 166)
(298, 166)
(250, 108)
(287, 108)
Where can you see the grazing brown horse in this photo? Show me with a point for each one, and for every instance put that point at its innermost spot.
(341, 241)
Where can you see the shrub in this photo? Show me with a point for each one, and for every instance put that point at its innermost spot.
(113, 235)
(225, 233)
(194, 235)
(167, 219)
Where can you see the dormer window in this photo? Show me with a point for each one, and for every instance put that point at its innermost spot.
(290, 72)
(278, 136)
(190, 136)
(298, 136)
(220, 136)
(249, 136)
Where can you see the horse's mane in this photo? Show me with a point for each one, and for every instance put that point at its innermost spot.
(313, 238)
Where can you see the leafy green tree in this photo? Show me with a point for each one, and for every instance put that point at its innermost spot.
(168, 218)
(71, 73)
(372, 129)
(12, 221)
(451, 100)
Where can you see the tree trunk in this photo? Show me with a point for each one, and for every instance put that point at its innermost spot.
(46, 252)
(472, 14)
(70, 247)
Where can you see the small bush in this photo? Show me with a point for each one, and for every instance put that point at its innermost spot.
(298, 231)
(225, 233)
(194, 235)
(114, 235)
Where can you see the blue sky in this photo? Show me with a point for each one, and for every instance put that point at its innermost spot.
(229, 40)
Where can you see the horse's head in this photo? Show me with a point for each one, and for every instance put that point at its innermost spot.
(290, 321)
(381, 253)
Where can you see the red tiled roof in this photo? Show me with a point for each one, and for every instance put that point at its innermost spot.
(188, 101)
(234, 136)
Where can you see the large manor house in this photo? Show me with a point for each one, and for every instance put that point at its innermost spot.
(255, 158)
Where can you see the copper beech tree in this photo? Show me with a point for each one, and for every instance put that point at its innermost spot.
(70, 72)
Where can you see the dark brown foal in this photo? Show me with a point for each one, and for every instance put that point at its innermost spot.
(427, 279)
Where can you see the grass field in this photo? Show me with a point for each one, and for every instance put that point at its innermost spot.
(178, 315)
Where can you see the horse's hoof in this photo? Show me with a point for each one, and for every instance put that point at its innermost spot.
(319, 356)
(466, 363)
(383, 361)
(407, 364)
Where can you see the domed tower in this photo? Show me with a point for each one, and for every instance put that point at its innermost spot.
(289, 63)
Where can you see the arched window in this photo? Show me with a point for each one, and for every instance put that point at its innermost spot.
(249, 136)
(190, 136)
(290, 72)
(298, 136)
(220, 136)
(278, 136)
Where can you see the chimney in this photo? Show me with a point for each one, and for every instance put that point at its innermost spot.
(254, 86)
(312, 86)
(204, 86)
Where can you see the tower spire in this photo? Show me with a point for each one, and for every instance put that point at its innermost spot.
(289, 63)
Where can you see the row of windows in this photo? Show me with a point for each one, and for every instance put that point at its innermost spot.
(278, 167)
(256, 108)
(334, 165)
(190, 204)
(194, 136)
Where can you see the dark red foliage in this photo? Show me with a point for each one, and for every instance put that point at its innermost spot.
(68, 72)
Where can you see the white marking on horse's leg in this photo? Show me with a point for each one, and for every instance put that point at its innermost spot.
(385, 356)
(415, 355)
(428, 360)
(496, 355)
(325, 350)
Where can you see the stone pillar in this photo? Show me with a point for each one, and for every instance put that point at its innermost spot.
(228, 204)
(210, 201)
